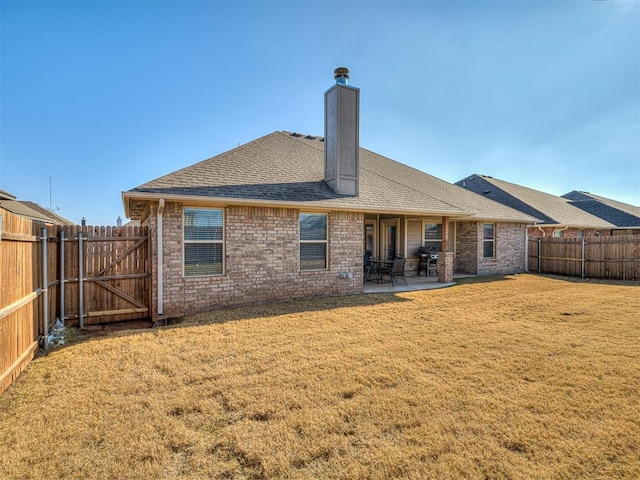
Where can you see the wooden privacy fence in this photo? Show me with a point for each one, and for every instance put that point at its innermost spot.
(28, 288)
(616, 257)
(78, 275)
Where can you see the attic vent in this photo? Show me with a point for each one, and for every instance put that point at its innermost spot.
(486, 191)
(294, 134)
(310, 137)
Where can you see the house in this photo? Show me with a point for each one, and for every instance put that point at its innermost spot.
(625, 217)
(558, 217)
(31, 210)
(291, 215)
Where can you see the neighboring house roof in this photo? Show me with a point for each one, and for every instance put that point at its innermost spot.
(6, 195)
(54, 217)
(287, 169)
(30, 210)
(23, 210)
(550, 209)
(622, 215)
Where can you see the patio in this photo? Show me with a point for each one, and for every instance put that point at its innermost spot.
(414, 283)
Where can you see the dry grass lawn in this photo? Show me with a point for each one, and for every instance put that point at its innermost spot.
(521, 377)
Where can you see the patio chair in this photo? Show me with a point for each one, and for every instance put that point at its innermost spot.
(369, 268)
(397, 271)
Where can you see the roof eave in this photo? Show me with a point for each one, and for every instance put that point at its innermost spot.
(129, 196)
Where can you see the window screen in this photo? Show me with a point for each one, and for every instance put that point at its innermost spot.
(313, 241)
(203, 241)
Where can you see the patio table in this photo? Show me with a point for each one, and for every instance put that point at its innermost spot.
(381, 266)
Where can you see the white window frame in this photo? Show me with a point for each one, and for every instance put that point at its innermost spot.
(431, 240)
(186, 242)
(325, 242)
(486, 240)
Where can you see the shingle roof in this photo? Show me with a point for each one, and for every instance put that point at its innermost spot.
(6, 195)
(618, 213)
(551, 209)
(33, 211)
(55, 218)
(288, 168)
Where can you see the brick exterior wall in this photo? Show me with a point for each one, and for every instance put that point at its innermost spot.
(466, 248)
(509, 249)
(261, 260)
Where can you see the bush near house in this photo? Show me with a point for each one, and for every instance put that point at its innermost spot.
(516, 377)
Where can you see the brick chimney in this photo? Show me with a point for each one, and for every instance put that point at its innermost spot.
(341, 135)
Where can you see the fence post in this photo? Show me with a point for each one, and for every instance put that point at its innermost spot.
(45, 288)
(61, 285)
(582, 262)
(80, 280)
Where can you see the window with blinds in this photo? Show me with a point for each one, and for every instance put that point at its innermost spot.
(489, 240)
(313, 241)
(203, 241)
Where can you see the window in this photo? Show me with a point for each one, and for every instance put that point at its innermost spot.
(203, 241)
(370, 238)
(557, 233)
(313, 241)
(433, 235)
(489, 240)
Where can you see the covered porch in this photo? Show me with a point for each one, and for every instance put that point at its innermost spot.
(387, 236)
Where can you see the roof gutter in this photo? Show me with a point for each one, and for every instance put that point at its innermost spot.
(128, 197)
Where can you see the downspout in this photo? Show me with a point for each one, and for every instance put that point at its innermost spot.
(561, 229)
(160, 260)
(526, 249)
(543, 233)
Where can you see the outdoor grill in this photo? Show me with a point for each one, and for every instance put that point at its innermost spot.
(427, 252)
(428, 258)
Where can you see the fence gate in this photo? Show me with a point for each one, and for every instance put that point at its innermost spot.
(105, 273)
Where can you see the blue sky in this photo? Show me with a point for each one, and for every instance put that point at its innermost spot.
(98, 97)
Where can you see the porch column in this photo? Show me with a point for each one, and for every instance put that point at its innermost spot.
(445, 234)
(445, 258)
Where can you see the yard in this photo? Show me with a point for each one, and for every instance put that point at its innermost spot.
(520, 377)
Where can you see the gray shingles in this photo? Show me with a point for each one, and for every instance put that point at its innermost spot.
(552, 210)
(285, 168)
(618, 213)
